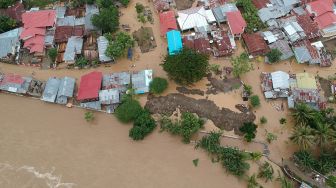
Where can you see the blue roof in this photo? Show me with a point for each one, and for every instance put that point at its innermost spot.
(174, 42)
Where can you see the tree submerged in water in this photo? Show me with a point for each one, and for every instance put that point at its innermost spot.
(88, 116)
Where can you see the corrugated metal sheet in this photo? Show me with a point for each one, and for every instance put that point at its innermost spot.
(50, 90)
(9, 41)
(102, 46)
(74, 46)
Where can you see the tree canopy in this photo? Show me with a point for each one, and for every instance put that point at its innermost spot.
(241, 65)
(107, 20)
(119, 44)
(250, 15)
(6, 3)
(186, 67)
(6, 23)
(142, 126)
(249, 129)
(255, 101)
(274, 55)
(158, 85)
(129, 110)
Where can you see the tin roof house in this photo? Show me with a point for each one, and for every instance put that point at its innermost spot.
(73, 48)
(294, 31)
(167, 22)
(119, 80)
(65, 90)
(14, 83)
(141, 80)
(90, 10)
(221, 11)
(102, 46)
(50, 90)
(89, 86)
(275, 84)
(283, 47)
(174, 42)
(236, 23)
(10, 43)
(109, 96)
(196, 18)
(255, 44)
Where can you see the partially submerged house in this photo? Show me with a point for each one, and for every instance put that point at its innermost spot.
(163, 5)
(109, 96)
(65, 90)
(199, 42)
(309, 26)
(284, 48)
(118, 80)
(220, 12)
(312, 53)
(50, 90)
(294, 31)
(14, 83)
(35, 25)
(223, 43)
(255, 44)
(275, 84)
(73, 48)
(10, 43)
(102, 46)
(141, 80)
(276, 9)
(167, 22)
(63, 33)
(196, 18)
(236, 23)
(174, 42)
(89, 87)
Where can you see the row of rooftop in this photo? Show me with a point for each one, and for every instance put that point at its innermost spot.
(294, 27)
(95, 91)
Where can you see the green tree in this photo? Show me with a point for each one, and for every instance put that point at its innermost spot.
(274, 55)
(124, 2)
(302, 136)
(139, 8)
(241, 65)
(52, 53)
(326, 163)
(234, 161)
(303, 114)
(263, 120)
(210, 142)
(88, 116)
(107, 20)
(6, 3)
(248, 89)
(104, 3)
(271, 137)
(81, 62)
(282, 121)
(331, 181)
(142, 126)
(128, 110)
(249, 129)
(305, 159)
(256, 156)
(250, 14)
(255, 101)
(119, 45)
(186, 67)
(266, 171)
(6, 24)
(252, 182)
(323, 134)
(158, 85)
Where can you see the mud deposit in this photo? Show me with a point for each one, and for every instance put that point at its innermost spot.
(221, 117)
(185, 90)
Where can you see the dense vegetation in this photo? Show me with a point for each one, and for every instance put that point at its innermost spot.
(241, 65)
(6, 23)
(128, 110)
(107, 20)
(158, 85)
(255, 101)
(249, 129)
(142, 126)
(119, 44)
(186, 67)
(186, 127)
(315, 134)
(250, 15)
(232, 159)
(266, 171)
(6, 3)
(274, 56)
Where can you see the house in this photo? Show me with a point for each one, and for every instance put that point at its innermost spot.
(60, 12)
(255, 44)
(65, 90)
(109, 96)
(196, 18)
(63, 33)
(50, 90)
(119, 80)
(89, 87)
(305, 52)
(35, 25)
(199, 42)
(14, 83)
(294, 31)
(174, 42)
(236, 23)
(10, 43)
(141, 81)
(275, 84)
(15, 12)
(223, 43)
(90, 10)
(276, 9)
(167, 22)
(309, 26)
(220, 11)
(284, 48)
(73, 48)
(306, 81)
(325, 56)
(102, 46)
(324, 15)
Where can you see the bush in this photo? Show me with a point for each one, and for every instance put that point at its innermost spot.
(274, 55)
(6, 3)
(241, 65)
(88, 116)
(158, 85)
(271, 137)
(255, 101)
(248, 89)
(119, 44)
(186, 67)
(124, 2)
(263, 120)
(139, 8)
(6, 23)
(129, 110)
(283, 121)
(142, 126)
(266, 171)
(52, 53)
(249, 129)
(81, 62)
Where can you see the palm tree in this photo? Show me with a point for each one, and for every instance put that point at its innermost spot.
(323, 134)
(252, 182)
(266, 171)
(303, 114)
(285, 183)
(302, 136)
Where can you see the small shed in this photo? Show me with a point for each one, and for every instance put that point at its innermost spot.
(50, 90)
(174, 42)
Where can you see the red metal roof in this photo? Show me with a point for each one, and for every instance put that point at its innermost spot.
(308, 25)
(167, 22)
(236, 22)
(255, 44)
(89, 86)
(12, 79)
(259, 4)
(320, 7)
(325, 20)
(42, 18)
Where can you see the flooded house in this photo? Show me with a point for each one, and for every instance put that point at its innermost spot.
(50, 90)
(141, 80)
(65, 90)
(275, 84)
(102, 46)
(10, 45)
(14, 83)
(73, 48)
(88, 90)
